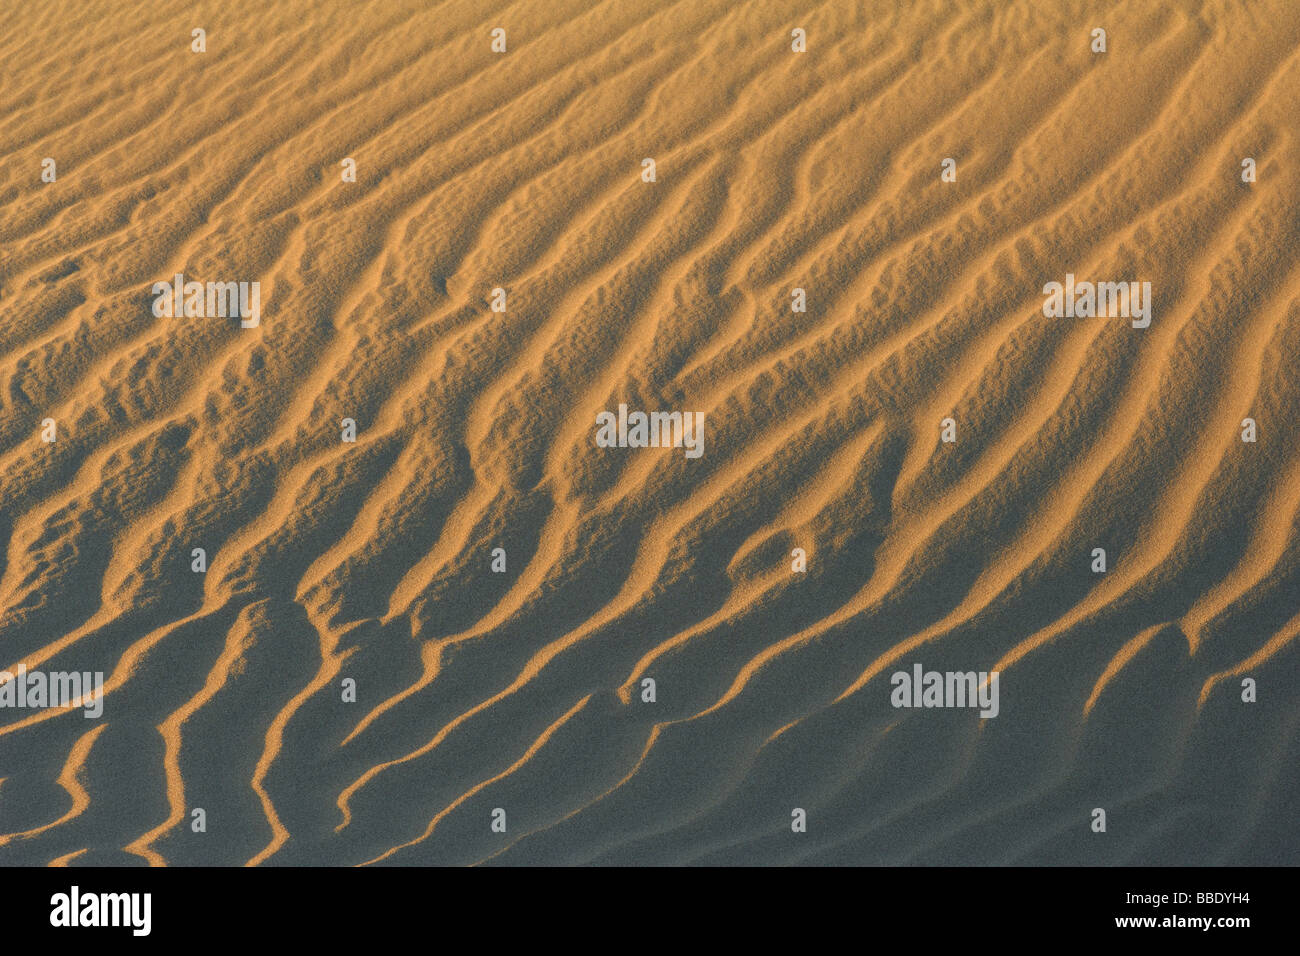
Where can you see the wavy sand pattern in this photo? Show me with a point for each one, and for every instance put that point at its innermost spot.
(475, 430)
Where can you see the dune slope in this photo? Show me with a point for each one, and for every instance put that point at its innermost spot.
(353, 673)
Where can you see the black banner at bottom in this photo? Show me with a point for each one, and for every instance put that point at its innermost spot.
(333, 906)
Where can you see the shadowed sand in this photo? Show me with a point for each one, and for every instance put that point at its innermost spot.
(522, 690)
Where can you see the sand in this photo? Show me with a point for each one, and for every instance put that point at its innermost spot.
(355, 675)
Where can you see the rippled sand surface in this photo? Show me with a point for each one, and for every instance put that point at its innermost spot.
(523, 691)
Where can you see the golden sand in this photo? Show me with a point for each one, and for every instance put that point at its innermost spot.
(503, 270)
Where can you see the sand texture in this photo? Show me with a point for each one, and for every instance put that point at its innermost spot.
(522, 690)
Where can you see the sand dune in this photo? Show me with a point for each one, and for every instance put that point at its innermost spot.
(501, 271)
